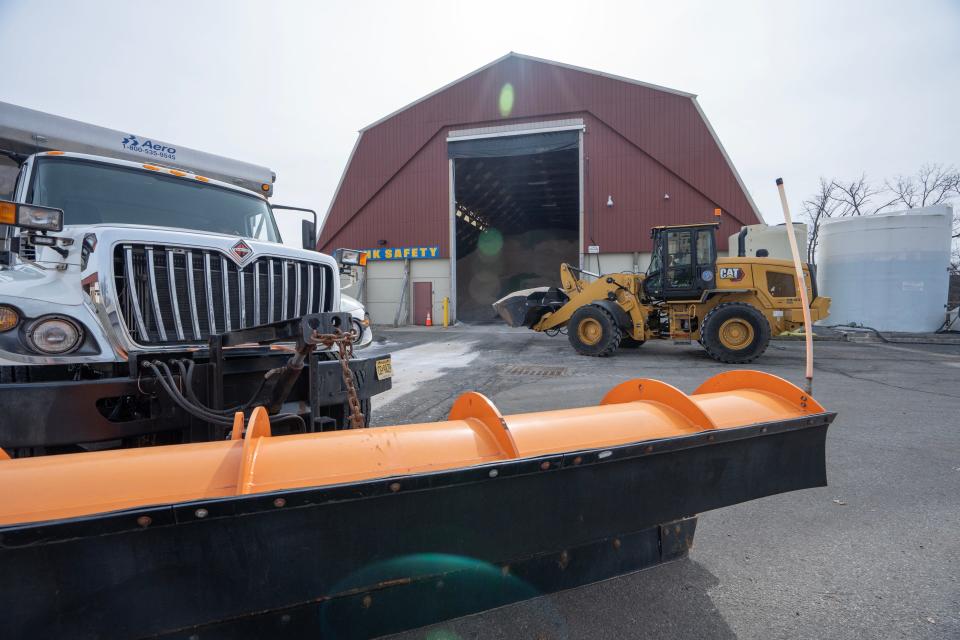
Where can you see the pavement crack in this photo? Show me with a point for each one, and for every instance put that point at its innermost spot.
(885, 384)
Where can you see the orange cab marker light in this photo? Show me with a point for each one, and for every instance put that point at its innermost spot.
(178, 173)
(717, 212)
(202, 178)
(8, 213)
(151, 167)
(265, 187)
(54, 153)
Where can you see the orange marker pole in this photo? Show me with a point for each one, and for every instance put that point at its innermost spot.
(801, 283)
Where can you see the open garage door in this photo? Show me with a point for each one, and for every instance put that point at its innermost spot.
(517, 215)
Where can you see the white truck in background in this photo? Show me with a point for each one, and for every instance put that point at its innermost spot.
(118, 250)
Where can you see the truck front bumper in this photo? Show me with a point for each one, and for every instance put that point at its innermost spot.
(62, 413)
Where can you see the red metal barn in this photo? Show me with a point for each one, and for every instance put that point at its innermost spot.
(484, 186)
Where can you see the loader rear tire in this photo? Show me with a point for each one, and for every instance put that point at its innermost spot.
(592, 331)
(735, 333)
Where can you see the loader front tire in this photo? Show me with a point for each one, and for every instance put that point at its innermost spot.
(592, 331)
(735, 333)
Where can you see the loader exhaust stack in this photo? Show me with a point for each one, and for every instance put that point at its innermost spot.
(186, 536)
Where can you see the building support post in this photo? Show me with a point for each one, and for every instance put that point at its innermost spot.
(452, 250)
(403, 293)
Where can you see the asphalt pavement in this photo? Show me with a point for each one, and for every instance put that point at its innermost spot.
(876, 554)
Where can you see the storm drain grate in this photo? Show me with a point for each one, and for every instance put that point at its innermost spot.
(535, 370)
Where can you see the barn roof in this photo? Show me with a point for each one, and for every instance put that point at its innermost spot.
(335, 221)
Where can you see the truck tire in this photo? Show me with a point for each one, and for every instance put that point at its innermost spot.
(592, 331)
(735, 333)
(630, 343)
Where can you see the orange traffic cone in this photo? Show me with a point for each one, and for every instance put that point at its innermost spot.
(429, 320)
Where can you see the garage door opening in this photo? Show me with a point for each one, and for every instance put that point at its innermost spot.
(517, 215)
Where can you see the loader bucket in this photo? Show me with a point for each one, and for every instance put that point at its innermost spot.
(525, 308)
(377, 530)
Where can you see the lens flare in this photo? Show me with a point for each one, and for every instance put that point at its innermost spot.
(490, 242)
(506, 100)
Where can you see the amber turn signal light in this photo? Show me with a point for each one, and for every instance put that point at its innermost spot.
(9, 318)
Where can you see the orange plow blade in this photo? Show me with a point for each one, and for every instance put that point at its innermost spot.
(384, 529)
(53, 487)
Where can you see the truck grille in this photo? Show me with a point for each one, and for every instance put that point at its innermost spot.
(172, 295)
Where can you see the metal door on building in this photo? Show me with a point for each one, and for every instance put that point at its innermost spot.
(422, 301)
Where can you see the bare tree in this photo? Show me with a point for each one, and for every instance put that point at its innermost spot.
(818, 208)
(855, 197)
(933, 184)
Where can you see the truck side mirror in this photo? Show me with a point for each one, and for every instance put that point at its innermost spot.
(309, 233)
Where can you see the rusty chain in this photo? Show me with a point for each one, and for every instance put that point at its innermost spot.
(344, 344)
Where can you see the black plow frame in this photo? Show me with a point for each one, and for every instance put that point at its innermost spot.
(365, 559)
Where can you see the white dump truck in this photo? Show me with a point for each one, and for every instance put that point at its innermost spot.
(145, 296)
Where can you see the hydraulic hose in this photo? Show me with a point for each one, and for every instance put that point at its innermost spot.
(182, 402)
(186, 372)
(198, 410)
(167, 381)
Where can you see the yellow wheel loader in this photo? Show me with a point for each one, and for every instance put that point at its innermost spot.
(731, 306)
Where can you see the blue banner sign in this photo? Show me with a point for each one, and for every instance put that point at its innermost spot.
(402, 253)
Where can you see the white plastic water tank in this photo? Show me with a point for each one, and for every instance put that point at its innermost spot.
(772, 238)
(887, 271)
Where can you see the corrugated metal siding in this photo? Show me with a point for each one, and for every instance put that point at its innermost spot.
(640, 143)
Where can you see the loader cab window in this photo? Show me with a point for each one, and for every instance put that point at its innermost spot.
(679, 258)
(782, 285)
(683, 263)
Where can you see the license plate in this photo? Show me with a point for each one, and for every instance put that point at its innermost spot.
(384, 369)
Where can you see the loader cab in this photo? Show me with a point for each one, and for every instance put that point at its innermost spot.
(684, 262)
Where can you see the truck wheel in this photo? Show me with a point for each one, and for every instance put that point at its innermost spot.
(593, 332)
(735, 333)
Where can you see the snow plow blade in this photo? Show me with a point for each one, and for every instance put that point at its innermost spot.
(364, 532)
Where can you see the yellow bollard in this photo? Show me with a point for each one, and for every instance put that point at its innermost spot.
(446, 312)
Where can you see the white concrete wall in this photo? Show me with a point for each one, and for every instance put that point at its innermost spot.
(617, 262)
(382, 290)
(437, 272)
(385, 279)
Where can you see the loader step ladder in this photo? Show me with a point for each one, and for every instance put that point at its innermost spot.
(680, 325)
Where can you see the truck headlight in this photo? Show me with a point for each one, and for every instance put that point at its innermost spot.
(31, 216)
(53, 335)
(357, 327)
(9, 318)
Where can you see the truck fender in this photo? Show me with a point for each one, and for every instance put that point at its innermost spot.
(621, 317)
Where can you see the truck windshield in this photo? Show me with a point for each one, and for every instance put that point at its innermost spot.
(96, 193)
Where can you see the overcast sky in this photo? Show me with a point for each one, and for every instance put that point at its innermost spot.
(799, 89)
